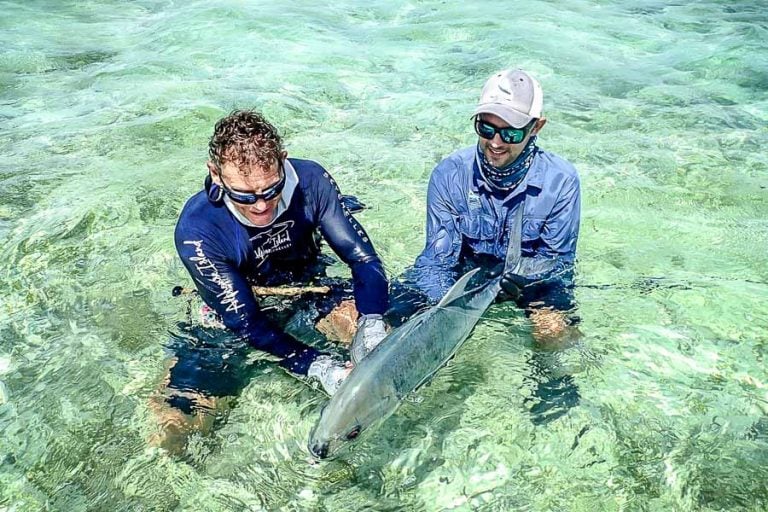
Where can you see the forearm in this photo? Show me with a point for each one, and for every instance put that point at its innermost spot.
(352, 244)
(371, 289)
(541, 282)
(434, 271)
(544, 268)
(249, 323)
(229, 294)
(430, 277)
(562, 233)
(262, 334)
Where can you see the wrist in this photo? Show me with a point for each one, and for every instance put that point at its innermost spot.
(371, 316)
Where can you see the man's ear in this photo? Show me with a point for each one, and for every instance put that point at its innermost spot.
(214, 172)
(538, 126)
(283, 155)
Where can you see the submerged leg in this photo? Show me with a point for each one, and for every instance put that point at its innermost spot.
(554, 328)
(203, 377)
(554, 393)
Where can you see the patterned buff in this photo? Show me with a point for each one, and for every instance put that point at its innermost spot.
(508, 177)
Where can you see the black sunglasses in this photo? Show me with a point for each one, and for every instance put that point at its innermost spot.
(251, 197)
(509, 135)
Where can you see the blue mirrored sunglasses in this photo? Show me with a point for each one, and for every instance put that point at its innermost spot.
(509, 135)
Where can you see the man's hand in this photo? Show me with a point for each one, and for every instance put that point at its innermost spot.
(329, 373)
(512, 286)
(371, 329)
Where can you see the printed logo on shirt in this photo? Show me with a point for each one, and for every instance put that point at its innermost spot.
(273, 240)
(206, 269)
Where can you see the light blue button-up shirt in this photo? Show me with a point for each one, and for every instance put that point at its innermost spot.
(466, 218)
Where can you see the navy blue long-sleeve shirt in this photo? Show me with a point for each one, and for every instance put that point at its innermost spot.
(225, 257)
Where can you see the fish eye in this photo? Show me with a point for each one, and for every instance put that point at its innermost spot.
(354, 433)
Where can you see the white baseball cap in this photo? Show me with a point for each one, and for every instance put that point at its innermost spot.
(513, 95)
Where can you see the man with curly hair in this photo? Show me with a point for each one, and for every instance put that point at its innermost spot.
(256, 223)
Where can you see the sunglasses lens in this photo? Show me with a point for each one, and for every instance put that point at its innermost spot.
(508, 135)
(242, 198)
(276, 189)
(267, 195)
(512, 135)
(270, 195)
(485, 130)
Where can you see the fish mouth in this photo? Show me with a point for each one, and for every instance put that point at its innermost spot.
(323, 449)
(320, 449)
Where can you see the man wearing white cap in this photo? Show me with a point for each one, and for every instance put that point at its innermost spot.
(479, 195)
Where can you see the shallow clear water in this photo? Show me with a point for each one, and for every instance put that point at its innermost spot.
(105, 111)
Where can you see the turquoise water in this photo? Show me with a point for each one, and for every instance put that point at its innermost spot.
(105, 110)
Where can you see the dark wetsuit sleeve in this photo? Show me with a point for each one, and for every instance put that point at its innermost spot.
(351, 243)
(225, 290)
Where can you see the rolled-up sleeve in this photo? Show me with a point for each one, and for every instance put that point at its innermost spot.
(561, 230)
(559, 235)
(433, 273)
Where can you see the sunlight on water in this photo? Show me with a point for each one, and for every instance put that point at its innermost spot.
(106, 108)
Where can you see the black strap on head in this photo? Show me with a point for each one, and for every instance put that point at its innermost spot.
(214, 191)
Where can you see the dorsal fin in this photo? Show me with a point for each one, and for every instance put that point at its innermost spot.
(458, 288)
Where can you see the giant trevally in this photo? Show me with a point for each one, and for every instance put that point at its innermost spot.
(407, 358)
(404, 360)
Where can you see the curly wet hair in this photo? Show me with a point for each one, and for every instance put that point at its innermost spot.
(244, 138)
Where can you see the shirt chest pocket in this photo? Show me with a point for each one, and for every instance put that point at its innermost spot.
(478, 227)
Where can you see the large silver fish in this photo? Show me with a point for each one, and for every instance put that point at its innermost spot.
(403, 361)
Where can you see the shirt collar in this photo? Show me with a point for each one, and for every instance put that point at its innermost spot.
(291, 182)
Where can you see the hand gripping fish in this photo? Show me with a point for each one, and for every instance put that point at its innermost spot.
(412, 353)
(404, 360)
